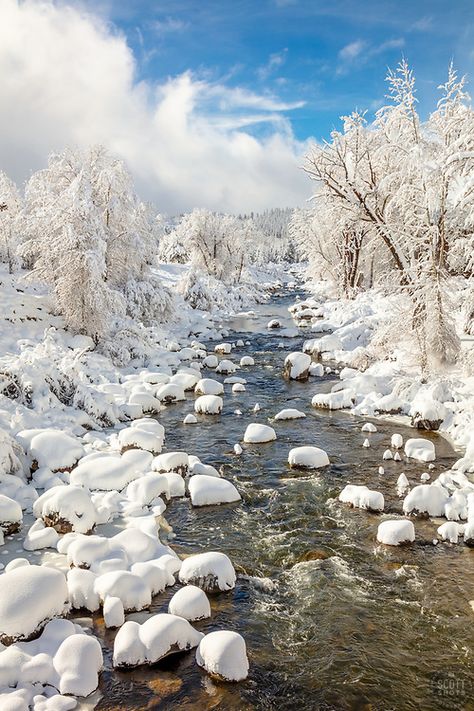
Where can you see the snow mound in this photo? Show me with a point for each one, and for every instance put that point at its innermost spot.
(148, 488)
(78, 662)
(450, 531)
(426, 499)
(210, 361)
(208, 490)
(340, 400)
(191, 603)
(30, 596)
(132, 590)
(51, 448)
(208, 386)
(159, 636)
(171, 462)
(141, 438)
(223, 654)
(395, 533)
(11, 515)
(171, 392)
(238, 388)
(211, 571)
(308, 458)
(296, 366)
(208, 405)
(423, 450)
(110, 472)
(256, 433)
(289, 414)
(66, 508)
(223, 348)
(362, 497)
(226, 367)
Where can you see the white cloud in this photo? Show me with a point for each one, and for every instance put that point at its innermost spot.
(352, 50)
(69, 79)
(275, 61)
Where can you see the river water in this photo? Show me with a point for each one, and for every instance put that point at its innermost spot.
(331, 619)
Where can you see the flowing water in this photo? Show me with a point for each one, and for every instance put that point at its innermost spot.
(331, 620)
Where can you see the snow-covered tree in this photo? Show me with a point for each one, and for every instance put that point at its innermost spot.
(10, 220)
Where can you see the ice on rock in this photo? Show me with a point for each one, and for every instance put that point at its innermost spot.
(307, 458)
(141, 438)
(450, 531)
(210, 361)
(426, 500)
(209, 405)
(223, 348)
(387, 454)
(11, 515)
(396, 441)
(223, 654)
(134, 593)
(246, 360)
(171, 392)
(190, 419)
(51, 448)
(368, 427)
(289, 414)
(226, 367)
(211, 571)
(423, 450)
(396, 533)
(257, 434)
(208, 386)
(296, 366)
(66, 509)
(30, 596)
(362, 497)
(78, 662)
(159, 636)
(191, 603)
(171, 462)
(209, 490)
(234, 379)
(238, 388)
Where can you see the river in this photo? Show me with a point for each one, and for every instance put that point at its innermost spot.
(331, 619)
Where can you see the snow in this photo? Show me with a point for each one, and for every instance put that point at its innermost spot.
(450, 531)
(387, 455)
(211, 571)
(159, 636)
(40, 536)
(66, 508)
(289, 414)
(210, 361)
(340, 400)
(109, 472)
(396, 533)
(80, 583)
(133, 592)
(238, 388)
(396, 441)
(307, 457)
(191, 603)
(226, 367)
(208, 405)
(223, 654)
(171, 392)
(423, 450)
(316, 370)
(11, 515)
(274, 323)
(148, 488)
(402, 484)
(141, 438)
(246, 361)
(51, 448)
(362, 497)
(78, 662)
(171, 462)
(296, 366)
(368, 427)
(257, 433)
(207, 386)
(223, 348)
(190, 419)
(30, 596)
(429, 499)
(208, 490)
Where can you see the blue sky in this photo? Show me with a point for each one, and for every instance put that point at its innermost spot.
(210, 103)
(329, 56)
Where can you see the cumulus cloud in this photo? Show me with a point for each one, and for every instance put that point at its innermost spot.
(68, 78)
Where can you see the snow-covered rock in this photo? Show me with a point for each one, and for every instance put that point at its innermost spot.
(208, 405)
(396, 441)
(208, 386)
(246, 361)
(387, 455)
(30, 596)
(423, 450)
(289, 414)
(171, 462)
(339, 400)
(66, 508)
(190, 419)
(210, 361)
(159, 636)
(396, 533)
(141, 438)
(362, 497)
(211, 571)
(171, 392)
(223, 654)
(132, 590)
(226, 367)
(208, 490)
(307, 458)
(191, 603)
(274, 323)
(296, 366)
(51, 448)
(368, 427)
(11, 515)
(316, 370)
(426, 499)
(78, 662)
(223, 348)
(450, 531)
(110, 472)
(256, 433)
(238, 388)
